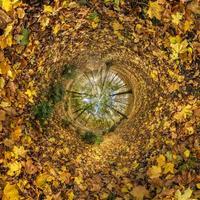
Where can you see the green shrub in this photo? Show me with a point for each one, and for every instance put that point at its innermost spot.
(65, 122)
(56, 93)
(69, 71)
(43, 111)
(91, 138)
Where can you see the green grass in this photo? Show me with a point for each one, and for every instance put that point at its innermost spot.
(91, 138)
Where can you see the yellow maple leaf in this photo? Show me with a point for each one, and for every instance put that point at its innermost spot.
(178, 46)
(10, 192)
(31, 93)
(117, 26)
(154, 172)
(19, 151)
(14, 168)
(168, 167)
(161, 160)
(176, 18)
(42, 180)
(185, 196)
(6, 5)
(48, 9)
(154, 10)
(185, 112)
(78, 180)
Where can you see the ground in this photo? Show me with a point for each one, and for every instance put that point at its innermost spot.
(153, 155)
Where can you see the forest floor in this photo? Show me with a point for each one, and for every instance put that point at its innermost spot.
(156, 156)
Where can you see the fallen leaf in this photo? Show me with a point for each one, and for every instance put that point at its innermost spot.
(20, 13)
(154, 172)
(56, 29)
(186, 153)
(168, 167)
(154, 75)
(187, 25)
(2, 82)
(1, 126)
(31, 93)
(16, 134)
(4, 67)
(65, 177)
(176, 18)
(194, 6)
(10, 192)
(24, 37)
(48, 9)
(117, 26)
(154, 10)
(185, 196)
(42, 180)
(30, 168)
(197, 112)
(7, 5)
(78, 180)
(185, 112)
(4, 19)
(161, 160)
(14, 168)
(44, 22)
(2, 115)
(70, 195)
(8, 29)
(139, 192)
(19, 151)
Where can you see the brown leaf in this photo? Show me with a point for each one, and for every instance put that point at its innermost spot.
(4, 19)
(194, 6)
(29, 167)
(197, 112)
(65, 177)
(139, 192)
(2, 115)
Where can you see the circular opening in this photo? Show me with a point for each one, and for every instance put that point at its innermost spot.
(99, 99)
